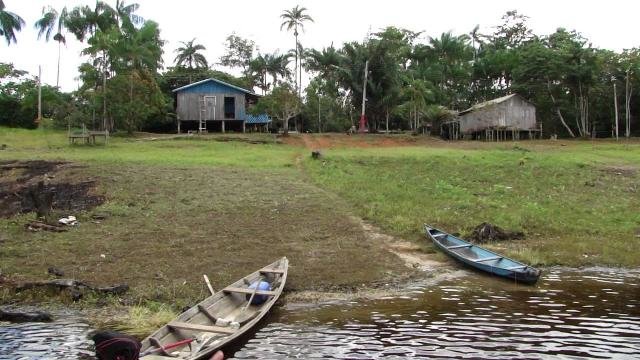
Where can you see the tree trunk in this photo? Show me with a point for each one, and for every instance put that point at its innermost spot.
(628, 91)
(555, 105)
(285, 124)
(387, 120)
(58, 74)
(104, 94)
(615, 106)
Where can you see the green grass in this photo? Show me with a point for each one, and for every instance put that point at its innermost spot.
(573, 203)
(178, 209)
(193, 151)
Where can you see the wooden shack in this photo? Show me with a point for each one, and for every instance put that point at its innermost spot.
(510, 117)
(212, 105)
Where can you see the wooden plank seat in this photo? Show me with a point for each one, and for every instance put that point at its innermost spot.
(249, 291)
(459, 246)
(272, 271)
(439, 235)
(489, 259)
(517, 267)
(203, 328)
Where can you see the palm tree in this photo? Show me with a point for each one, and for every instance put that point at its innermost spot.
(53, 21)
(124, 14)
(189, 54)
(258, 71)
(277, 66)
(292, 20)
(83, 20)
(10, 23)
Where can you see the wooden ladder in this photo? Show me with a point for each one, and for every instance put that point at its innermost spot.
(202, 127)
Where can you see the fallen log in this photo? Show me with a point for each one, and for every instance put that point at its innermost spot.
(25, 316)
(75, 287)
(36, 225)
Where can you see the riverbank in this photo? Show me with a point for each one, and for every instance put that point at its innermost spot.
(175, 209)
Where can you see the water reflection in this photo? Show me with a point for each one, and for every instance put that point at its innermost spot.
(571, 314)
(65, 338)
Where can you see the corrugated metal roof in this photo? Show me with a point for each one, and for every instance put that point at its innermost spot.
(257, 119)
(487, 103)
(216, 81)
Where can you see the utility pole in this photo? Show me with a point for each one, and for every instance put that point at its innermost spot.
(319, 123)
(39, 120)
(363, 118)
(615, 105)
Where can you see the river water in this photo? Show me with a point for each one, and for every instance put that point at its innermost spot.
(568, 314)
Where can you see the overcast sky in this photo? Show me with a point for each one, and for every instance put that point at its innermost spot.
(608, 24)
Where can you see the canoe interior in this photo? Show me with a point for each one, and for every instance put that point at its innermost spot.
(483, 259)
(473, 252)
(218, 319)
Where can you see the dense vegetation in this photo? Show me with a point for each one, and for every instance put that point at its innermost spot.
(579, 90)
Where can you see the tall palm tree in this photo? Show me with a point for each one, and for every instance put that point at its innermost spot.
(83, 21)
(125, 14)
(189, 54)
(294, 19)
(50, 22)
(10, 23)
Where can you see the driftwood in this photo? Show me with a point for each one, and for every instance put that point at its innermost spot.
(75, 287)
(488, 232)
(37, 225)
(25, 316)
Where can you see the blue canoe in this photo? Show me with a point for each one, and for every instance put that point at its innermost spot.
(481, 258)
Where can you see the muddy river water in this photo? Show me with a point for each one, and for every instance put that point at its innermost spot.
(569, 314)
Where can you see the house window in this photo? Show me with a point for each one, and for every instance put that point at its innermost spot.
(229, 107)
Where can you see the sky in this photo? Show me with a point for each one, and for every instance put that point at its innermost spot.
(607, 24)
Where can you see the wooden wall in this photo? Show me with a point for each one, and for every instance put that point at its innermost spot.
(188, 107)
(514, 113)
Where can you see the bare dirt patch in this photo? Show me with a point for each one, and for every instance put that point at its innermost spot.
(621, 170)
(19, 181)
(329, 141)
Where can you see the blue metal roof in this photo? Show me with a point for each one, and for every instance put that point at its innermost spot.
(216, 82)
(257, 119)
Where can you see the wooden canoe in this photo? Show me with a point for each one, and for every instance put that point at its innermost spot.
(218, 319)
(481, 258)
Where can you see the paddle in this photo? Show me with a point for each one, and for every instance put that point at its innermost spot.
(167, 347)
(206, 280)
(253, 294)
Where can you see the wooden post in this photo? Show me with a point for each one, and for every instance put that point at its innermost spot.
(179, 126)
(223, 126)
(615, 106)
(39, 94)
(243, 126)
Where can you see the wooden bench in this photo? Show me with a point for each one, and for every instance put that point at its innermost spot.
(249, 291)
(198, 327)
(490, 259)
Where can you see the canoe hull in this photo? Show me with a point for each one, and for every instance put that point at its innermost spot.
(219, 319)
(473, 255)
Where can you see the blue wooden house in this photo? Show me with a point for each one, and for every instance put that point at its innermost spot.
(214, 105)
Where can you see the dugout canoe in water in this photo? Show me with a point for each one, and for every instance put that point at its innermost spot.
(481, 258)
(219, 319)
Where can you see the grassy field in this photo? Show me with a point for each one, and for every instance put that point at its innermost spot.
(576, 201)
(178, 209)
(182, 207)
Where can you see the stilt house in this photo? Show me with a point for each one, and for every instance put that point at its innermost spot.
(214, 105)
(509, 117)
